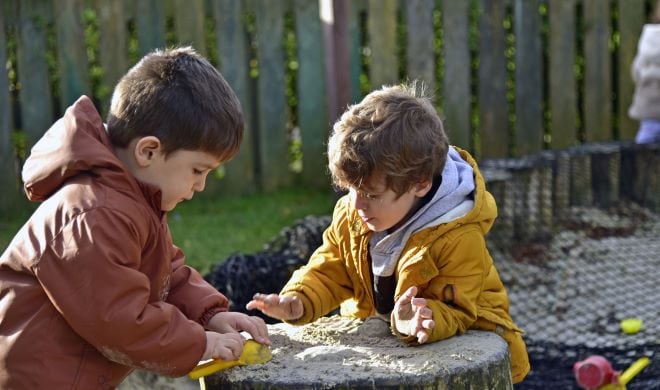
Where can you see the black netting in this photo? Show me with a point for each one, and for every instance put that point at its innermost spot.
(240, 276)
(576, 244)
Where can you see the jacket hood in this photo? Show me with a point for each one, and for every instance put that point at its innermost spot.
(75, 144)
(452, 200)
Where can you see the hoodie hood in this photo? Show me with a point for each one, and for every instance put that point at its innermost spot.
(75, 144)
(452, 200)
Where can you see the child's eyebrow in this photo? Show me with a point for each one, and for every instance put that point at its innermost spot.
(207, 165)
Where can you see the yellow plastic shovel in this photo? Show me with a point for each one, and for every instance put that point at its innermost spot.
(253, 353)
(628, 374)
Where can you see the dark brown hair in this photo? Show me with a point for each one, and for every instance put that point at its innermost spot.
(394, 133)
(179, 97)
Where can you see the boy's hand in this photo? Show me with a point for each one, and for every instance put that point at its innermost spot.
(228, 346)
(282, 307)
(234, 322)
(412, 317)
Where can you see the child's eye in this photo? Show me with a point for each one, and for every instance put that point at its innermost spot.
(197, 172)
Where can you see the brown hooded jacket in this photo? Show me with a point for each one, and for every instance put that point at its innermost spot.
(92, 285)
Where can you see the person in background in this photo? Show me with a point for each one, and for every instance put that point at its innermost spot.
(92, 285)
(646, 75)
(406, 244)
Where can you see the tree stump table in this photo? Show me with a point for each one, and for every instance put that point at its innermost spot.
(340, 352)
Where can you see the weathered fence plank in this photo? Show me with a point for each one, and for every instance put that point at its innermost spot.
(356, 7)
(335, 15)
(456, 77)
(72, 54)
(598, 71)
(420, 56)
(232, 44)
(8, 175)
(150, 21)
(273, 160)
(312, 116)
(631, 21)
(35, 93)
(562, 83)
(493, 108)
(6, 125)
(113, 51)
(189, 21)
(528, 77)
(381, 26)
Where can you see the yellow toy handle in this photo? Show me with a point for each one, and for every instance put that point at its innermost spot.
(211, 367)
(633, 370)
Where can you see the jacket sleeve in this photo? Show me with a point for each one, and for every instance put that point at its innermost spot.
(453, 294)
(90, 274)
(323, 283)
(195, 297)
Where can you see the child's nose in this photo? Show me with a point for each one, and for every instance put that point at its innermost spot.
(200, 184)
(359, 202)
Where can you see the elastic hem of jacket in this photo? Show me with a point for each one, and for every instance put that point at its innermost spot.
(209, 313)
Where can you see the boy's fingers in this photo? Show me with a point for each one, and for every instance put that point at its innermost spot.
(258, 329)
(425, 312)
(422, 337)
(263, 301)
(259, 305)
(428, 324)
(418, 303)
(409, 294)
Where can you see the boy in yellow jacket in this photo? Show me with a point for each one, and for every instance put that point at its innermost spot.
(407, 241)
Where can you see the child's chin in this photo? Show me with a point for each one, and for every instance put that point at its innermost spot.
(375, 228)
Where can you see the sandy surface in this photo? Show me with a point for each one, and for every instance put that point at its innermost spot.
(337, 351)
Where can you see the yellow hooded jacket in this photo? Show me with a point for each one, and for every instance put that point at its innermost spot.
(449, 263)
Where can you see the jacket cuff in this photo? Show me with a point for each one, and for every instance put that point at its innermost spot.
(209, 313)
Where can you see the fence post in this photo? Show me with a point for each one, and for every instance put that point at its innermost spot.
(631, 21)
(493, 107)
(113, 52)
(562, 83)
(189, 19)
(381, 24)
(273, 139)
(312, 107)
(71, 53)
(35, 93)
(597, 73)
(420, 56)
(232, 42)
(150, 22)
(457, 73)
(10, 193)
(334, 15)
(528, 76)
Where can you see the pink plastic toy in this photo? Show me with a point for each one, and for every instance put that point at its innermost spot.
(594, 372)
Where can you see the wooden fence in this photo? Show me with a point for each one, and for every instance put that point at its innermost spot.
(511, 77)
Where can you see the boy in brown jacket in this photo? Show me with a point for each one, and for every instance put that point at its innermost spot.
(407, 242)
(92, 286)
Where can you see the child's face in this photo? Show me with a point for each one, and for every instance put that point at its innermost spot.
(381, 209)
(179, 176)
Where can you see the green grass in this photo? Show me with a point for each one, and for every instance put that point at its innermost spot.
(208, 230)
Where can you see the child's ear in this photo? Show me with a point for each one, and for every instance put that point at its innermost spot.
(422, 188)
(146, 149)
